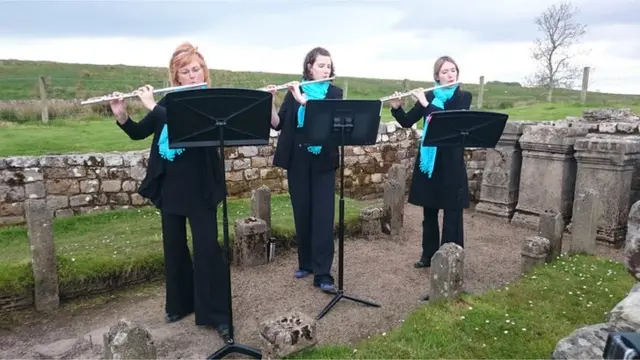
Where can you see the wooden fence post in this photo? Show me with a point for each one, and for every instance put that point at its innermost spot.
(43, 100)
(481, 92)
(585, 85)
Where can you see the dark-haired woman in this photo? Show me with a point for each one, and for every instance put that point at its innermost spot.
(310, 170)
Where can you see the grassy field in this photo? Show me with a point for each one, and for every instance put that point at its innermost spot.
(525, 320)
(92, 129)
(96, 133)
(121, 242)
(18, 80)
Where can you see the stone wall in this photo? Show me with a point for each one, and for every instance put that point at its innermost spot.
(83, 183)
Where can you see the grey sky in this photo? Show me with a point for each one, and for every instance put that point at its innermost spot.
(394, 33)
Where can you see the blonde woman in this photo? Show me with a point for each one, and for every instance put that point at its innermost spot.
(439, 175)
(184, 184)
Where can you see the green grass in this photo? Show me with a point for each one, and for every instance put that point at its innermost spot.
(18, 80)
(555, 111)
(524, 320)
(100, 134)
(89, 247)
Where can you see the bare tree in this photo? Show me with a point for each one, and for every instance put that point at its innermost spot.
(553, 51)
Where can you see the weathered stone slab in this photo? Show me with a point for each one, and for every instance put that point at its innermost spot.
(547, 178)
(393, 204)
(43, 255)
(128, 341)
(632, 242)
(287, 334)
(261, 204)
(535, 251)
(586, 212)
(251, 242)
(626, 314)
(501, 176)
(551, 227)
(447, 272)
(584, 343)
(371, 220)
(606, 164)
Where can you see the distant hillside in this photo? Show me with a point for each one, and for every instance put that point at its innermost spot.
(18, 81)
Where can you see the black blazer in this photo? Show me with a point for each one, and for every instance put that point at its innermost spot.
(329, 156)
(448, 186)
(187, 190)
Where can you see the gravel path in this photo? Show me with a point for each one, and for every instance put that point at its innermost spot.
(375, 269)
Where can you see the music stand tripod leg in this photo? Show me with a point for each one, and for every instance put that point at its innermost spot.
(231, 347)
(345, 125)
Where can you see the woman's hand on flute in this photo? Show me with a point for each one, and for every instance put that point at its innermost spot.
(395, 103)
(119, 108)
(419, 94)
(273, 91)
(145, 94)
(294, 87)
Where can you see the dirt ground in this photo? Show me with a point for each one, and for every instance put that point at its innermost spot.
(376, 269)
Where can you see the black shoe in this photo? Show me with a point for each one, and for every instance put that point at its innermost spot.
(421, 264)
(174, 317)
(224, 332)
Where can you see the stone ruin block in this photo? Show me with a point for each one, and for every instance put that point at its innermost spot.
(127, 340)
(394, 189)
(606, 164)
(632, 242)
(535, 251)
(586, 213)
(398, 173)
(501, 174)
(551, 227)
(610, 114)
(251, 243)
(547, 177)
(261, 204)
(447, 272)
(43, 254)
(371, 220)
(287, 334)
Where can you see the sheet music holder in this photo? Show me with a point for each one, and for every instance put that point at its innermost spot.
(336, 122)
(464, 128)
(221, 117)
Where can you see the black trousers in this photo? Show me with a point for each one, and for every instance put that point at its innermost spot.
(201, 285)
(452, 231)
(313, 200)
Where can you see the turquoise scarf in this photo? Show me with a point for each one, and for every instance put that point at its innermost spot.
(315, 91)
(163, 143)
(428, 153)
(163, 146)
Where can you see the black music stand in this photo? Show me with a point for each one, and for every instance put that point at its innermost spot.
(464, 128)
(336, 122)
(221, 117)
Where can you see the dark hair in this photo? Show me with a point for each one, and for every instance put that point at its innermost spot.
(310, 59)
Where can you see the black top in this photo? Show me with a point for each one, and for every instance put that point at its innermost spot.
(191, 182)
(288, 140)
(448, 187)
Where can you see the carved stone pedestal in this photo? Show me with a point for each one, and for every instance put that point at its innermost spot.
(501, 176)
(606, 165)
(548, 173)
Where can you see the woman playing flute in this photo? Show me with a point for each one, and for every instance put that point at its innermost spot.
(184, 184)
(439, 176)
(310, 170)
